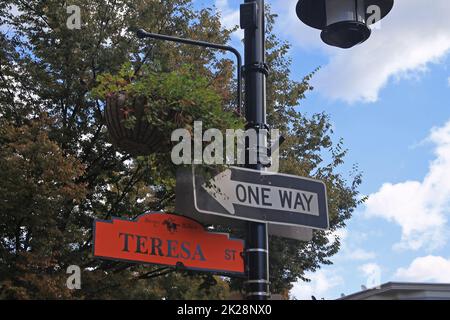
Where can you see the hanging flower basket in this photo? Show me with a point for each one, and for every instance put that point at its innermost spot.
(138, 137)
(142, 111)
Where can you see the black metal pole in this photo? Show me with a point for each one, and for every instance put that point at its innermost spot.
(257, 251)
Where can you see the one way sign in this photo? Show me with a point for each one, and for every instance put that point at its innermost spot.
(263, 197)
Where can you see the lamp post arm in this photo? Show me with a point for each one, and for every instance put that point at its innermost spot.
(144, 34)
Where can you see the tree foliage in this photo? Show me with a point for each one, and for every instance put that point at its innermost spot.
(58, 171)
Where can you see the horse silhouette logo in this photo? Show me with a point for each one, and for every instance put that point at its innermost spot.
(171, 226)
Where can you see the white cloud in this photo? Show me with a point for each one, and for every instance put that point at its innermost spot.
(342, 234)
(230, 17)
(426, 269)
(369, 269)
(325, 281)
(321, 283)
(372, 273)
(288, 25)
(349, 251)
(420, 208)
(360, 254)
(415, 34)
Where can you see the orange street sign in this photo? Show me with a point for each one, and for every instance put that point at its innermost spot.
(167, 239)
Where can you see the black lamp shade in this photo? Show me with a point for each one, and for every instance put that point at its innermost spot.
(343, 22)
(345, 34)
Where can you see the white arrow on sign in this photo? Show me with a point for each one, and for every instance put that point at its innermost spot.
(229, 193)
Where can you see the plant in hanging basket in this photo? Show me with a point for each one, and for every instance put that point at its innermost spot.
(142, 111)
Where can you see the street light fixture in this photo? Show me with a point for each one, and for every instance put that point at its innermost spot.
(344, 23)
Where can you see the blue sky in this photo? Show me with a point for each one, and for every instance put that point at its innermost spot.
(389, 100)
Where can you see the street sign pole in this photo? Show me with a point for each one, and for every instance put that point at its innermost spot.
(255, 70)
